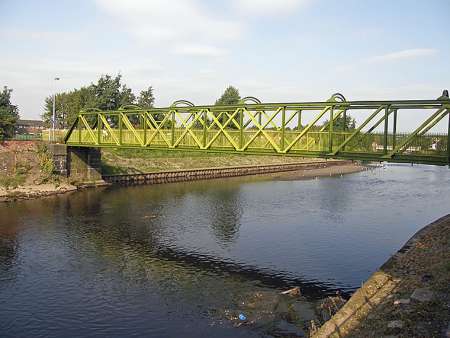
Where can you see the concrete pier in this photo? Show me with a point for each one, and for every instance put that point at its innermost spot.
(82, 165)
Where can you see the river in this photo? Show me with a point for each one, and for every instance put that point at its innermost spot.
(174, 260)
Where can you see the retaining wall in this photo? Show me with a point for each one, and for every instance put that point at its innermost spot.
(211, 173)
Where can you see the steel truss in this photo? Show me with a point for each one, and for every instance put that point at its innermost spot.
(254, 127)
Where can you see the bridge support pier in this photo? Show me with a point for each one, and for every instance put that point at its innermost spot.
(82, 165)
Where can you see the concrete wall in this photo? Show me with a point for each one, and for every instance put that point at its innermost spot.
(82, 165)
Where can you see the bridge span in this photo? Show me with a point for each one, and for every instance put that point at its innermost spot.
(412, 131)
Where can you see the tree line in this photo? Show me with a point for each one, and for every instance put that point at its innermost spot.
(108, 93)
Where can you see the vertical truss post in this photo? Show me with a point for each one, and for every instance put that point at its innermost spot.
(99, 129)
(299, 120)
(259, 118)
(386, 127)
(173, 129)
(344, 126)
(144, 120)
(205, 127)
(241, 129)
(330, 130)
(120, 128)
(283, 128)
(79, 129)
(448, 138)
(394, 130)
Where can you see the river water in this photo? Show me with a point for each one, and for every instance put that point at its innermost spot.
(175, 260)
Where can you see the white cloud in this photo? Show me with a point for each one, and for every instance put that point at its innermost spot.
(199, 50)
(178, 22)
(402, 55)
(268, 7)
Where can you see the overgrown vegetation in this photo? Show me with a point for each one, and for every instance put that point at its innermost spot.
(17, 177)
(46, 166)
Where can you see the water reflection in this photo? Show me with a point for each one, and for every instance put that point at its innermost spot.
(226, 211)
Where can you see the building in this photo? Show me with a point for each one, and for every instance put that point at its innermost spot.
(29, 127)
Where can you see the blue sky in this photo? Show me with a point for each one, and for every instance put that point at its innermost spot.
(284, 50)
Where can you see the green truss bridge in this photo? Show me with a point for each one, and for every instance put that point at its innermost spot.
(414, 131)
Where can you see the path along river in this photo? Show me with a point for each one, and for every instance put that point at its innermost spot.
(174, 260)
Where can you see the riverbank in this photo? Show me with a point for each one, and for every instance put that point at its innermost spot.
(27, 168)
(409, 296)
(34, 191)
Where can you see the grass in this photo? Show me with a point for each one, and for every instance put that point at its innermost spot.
(131, 161)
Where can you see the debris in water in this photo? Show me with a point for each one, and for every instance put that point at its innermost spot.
(242, 317)
(292, 292)
(149, 216)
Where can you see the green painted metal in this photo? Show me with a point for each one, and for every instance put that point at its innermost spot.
(253, 127)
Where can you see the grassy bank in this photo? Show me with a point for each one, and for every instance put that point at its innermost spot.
(135, 161)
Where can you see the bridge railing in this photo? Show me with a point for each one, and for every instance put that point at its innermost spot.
(304, 129)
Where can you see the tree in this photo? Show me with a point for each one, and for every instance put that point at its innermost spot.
(68, 105)
(146, 98)
(108, 93)
(339, 123)
(229, 97)
(9, 114)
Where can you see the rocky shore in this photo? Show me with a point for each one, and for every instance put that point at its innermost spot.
(409, 296)
(34, 191)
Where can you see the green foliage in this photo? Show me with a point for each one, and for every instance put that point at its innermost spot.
(68, 105)
(16, 178)
(46, 165)
(146, 98)
(109, 93)
(9, 114)
(339, 123)
(230, 96)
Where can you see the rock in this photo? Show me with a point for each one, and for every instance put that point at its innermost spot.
(395, 324)
(403, 301)
(427, 278)
(422, 295)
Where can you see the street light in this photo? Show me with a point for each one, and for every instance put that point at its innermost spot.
(54, 113)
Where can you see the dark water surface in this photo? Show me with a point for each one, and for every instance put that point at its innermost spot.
(168, 260)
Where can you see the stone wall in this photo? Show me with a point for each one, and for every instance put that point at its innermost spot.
(59, 154)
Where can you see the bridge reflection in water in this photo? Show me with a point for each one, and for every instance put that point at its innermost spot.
(314, 129)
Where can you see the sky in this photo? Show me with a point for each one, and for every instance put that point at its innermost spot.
(276, 50)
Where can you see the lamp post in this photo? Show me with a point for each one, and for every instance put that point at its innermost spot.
(54, 113)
